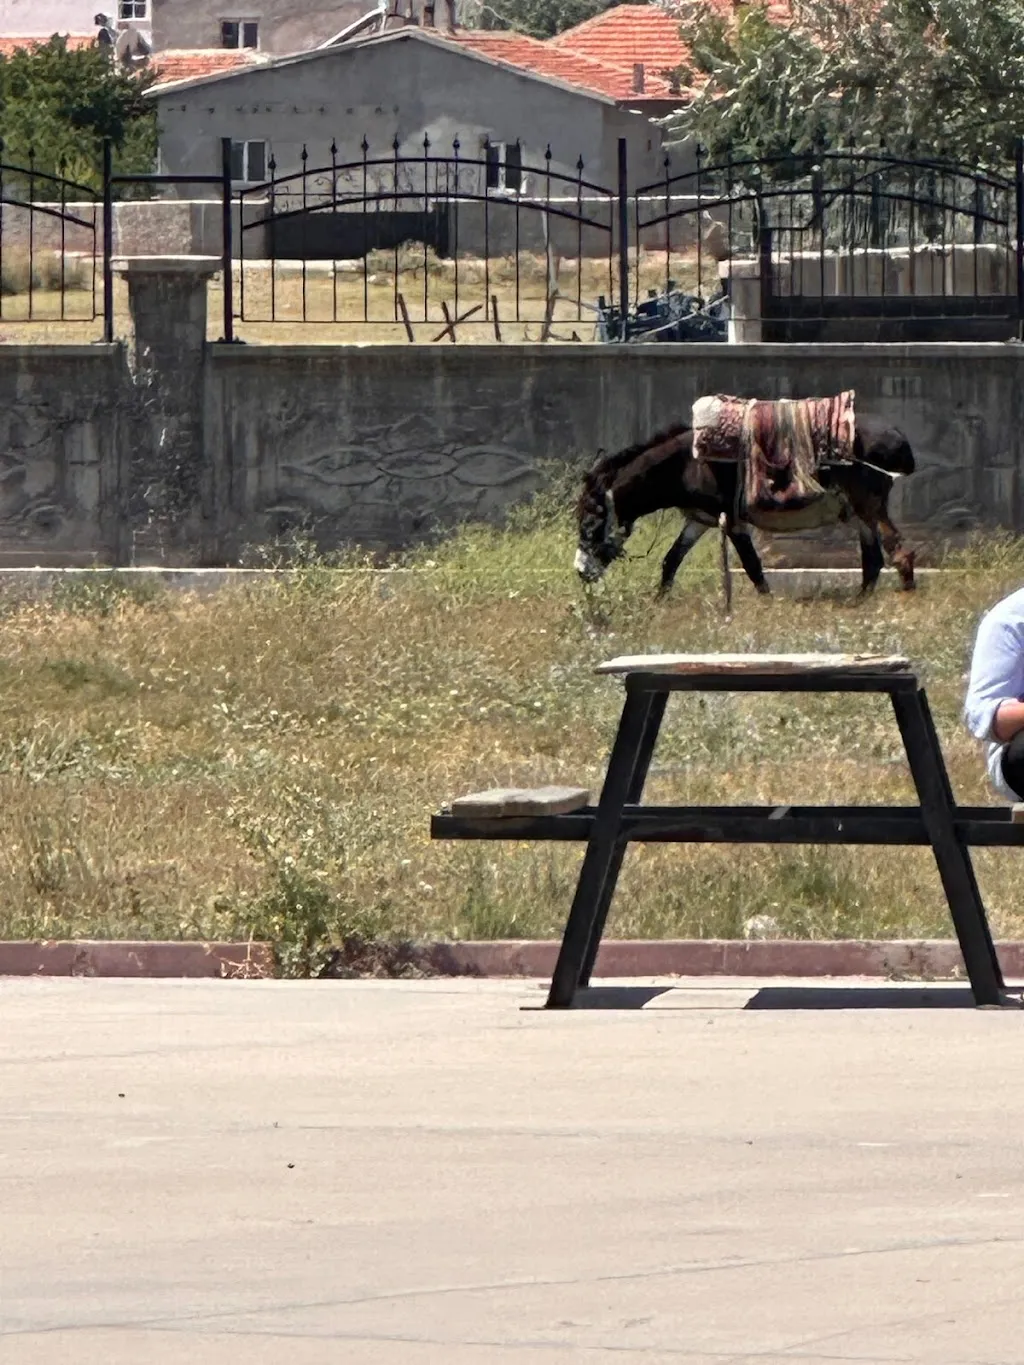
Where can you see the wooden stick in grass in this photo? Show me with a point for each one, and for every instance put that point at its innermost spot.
(405, 317)
(449, 330)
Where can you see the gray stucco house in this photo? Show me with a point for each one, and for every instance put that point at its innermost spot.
(400, 85)
(274, 26)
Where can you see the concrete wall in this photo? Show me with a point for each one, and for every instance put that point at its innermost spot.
(65, 414)
(121, 463)
(173, 227)
(323, 435)
(142, 227)
(403, 85)
(284, 25)
(43, 18)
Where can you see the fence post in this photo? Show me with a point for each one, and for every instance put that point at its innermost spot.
(108, 242)
(623, 240)
(227, 251)
(765, 255)
(1020, 237)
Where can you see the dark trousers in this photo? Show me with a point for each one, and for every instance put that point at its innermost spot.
(1013, 765)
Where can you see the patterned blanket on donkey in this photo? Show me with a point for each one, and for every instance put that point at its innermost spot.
(780, 446)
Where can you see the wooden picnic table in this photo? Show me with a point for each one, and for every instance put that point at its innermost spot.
(619, 819)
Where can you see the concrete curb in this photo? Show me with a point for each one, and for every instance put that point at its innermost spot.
(926, 959)
(934, 959)
(85, 958)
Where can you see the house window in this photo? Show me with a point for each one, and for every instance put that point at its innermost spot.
(238, 32)
(504, 166)
(249, 161)
(132, 9)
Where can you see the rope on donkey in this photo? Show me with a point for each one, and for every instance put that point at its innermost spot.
(723, 527)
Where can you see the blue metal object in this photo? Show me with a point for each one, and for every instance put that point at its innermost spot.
(672, 315)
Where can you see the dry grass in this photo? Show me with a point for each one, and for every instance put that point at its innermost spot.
(266, 761)
(366, 311)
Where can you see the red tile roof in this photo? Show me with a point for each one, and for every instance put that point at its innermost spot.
(561, 63)
(8, 46)
(181, 65)
(628, 34)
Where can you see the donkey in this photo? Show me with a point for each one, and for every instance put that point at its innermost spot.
(662, 472)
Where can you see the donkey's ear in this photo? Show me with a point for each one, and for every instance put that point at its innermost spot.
(591, 470)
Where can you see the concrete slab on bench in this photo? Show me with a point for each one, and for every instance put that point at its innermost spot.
(502, 802)
(781, 664)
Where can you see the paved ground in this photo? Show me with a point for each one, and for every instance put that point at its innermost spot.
(403, 1173)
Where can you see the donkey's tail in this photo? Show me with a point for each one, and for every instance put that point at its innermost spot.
(723, 528)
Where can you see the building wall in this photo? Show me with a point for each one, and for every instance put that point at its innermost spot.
(401, 87)
(286, 26)
(43, 18)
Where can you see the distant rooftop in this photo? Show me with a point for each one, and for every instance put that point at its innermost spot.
(175, 65)
(562, 62)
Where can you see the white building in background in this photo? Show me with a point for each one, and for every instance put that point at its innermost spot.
(41, 19)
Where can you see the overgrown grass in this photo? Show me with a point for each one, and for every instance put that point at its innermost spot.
(265, 761)
(45, 270)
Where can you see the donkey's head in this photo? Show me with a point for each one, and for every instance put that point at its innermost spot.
(602, 537)
(618, 489)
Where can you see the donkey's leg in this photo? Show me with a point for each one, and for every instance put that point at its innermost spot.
(750, 559)
(871, 557)
(679, 549)
(902, 560)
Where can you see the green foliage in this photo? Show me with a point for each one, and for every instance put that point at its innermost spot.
(58, 105)
(538, 18)
(944, 77)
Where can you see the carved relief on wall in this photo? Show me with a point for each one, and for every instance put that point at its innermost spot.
(384, 483)
(41, 491)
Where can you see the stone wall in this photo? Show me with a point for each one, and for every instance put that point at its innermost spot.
(187, 453)
(142, 227)
(325, 436)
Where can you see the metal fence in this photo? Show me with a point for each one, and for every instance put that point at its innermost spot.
(848, 244)
(51, 258)
(433, 246)
(436, 240)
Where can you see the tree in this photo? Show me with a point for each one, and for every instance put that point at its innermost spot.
(944, 77)
(537, 18)
(58, 105)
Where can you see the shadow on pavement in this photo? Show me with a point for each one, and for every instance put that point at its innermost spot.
(863, 998)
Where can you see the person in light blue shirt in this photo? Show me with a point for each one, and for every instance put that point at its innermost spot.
(994, 709)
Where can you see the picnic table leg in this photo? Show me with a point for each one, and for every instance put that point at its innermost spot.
(599, 859)
(952, 856)
(652, 728)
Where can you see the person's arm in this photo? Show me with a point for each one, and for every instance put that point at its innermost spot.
(1008, 721)
(994, 709)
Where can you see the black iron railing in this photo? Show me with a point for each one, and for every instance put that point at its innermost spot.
(849, 244)
(50, 261)
(432, 244)
(432, 240)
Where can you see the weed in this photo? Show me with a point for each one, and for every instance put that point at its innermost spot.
(265, 761)
(100, 592)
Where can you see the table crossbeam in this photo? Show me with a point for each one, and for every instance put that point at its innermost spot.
(619, 819)
(981, 826)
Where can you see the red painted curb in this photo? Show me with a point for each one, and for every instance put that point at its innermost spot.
(86, 958)
(929, 959)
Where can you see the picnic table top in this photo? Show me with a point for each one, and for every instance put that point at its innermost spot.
(739, 664)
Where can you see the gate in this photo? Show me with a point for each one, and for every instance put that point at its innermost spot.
(390, 242)
(849, 245)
